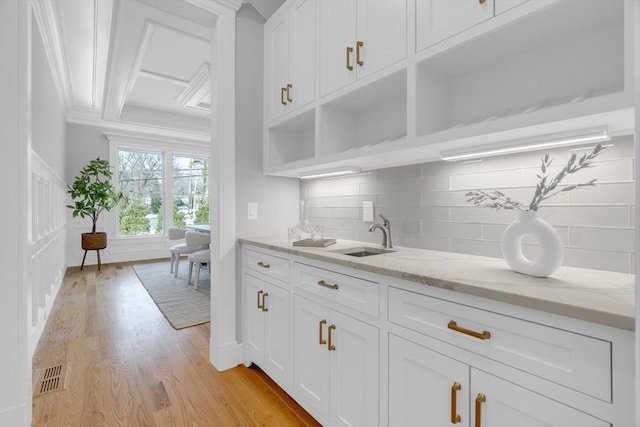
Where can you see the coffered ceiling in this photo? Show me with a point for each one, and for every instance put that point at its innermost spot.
(138, 63)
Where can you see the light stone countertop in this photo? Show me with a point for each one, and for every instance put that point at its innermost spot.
(596, 296)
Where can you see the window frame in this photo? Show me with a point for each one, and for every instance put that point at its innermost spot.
(167, 148)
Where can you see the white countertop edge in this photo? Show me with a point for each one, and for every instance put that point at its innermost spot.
(603, 297)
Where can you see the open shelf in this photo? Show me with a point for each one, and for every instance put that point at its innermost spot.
(578, 56)
(292, 141)
(368, 116)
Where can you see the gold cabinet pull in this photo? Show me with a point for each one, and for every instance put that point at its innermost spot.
(321, 340)
(264, 301)
(260, 306)
(330, 346)
(282, 91)
(289, 86)
(481, 1)
(264, 265)
(327, 285)
(349, 51)
(485, 335)
(359, 61)
(455, 417)
(479, 400)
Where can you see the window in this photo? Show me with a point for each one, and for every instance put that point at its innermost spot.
(151, 181)
(190, 190)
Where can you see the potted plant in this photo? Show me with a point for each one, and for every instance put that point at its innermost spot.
(92, 193)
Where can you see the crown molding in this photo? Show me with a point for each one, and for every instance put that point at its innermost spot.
(198, 89)
(90, 118)
(45, 14)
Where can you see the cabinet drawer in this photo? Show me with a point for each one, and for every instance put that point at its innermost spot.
(269, 265)
(359, 294)
(576, 361)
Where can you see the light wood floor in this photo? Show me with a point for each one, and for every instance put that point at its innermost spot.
(128, 367)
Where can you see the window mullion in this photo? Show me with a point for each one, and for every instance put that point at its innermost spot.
(168, 190)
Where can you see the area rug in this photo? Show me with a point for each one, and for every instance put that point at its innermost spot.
(180, 304)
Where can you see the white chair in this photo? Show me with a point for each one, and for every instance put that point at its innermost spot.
(192, 244)
(198, 258)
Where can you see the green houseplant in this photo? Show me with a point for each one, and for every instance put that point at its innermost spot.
(93, 193)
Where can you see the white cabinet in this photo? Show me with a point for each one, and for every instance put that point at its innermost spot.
(437, 20)
(290, 44)
(266, 312)
(358, 38)
(336, 364)
(361, 349)
(499, 403)
(429, 388)
(425, 387)
(266, 327)
(504, 5)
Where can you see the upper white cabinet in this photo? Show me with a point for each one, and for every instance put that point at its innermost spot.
(504, 5)
(358, 38)
(290, 44)
(400, 81)
(439, 19)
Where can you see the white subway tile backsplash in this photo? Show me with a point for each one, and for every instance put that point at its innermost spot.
(487, 180)
(422, 242)
(597, 260)
(618, 193)
(428, 209)
(613, 239)
(476, 247)
(587, 216)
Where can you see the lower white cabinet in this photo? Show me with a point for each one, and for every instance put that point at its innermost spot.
(423, 386)
(336, 359)
(362, 349)
(499, 403)
(266, 326)
(429, 388)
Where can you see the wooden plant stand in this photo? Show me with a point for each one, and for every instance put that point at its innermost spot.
(93, 242)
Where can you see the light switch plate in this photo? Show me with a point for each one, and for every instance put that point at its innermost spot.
(252, 211)
(367, 211)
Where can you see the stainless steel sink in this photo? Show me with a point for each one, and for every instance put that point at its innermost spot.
(362, 251)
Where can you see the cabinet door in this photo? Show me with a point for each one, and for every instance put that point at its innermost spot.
(253, 330)
(504, 5)
(421, 386)
(311, 359)
(302, 54)
(437, 20)
(382, 28)
(337, 32)
(277, 339)
(508, 405)
(277, 54)
(354, 373)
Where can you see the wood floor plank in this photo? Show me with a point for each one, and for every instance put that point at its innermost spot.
(129, 367)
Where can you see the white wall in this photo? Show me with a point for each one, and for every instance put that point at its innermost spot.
(86, 143)
(32, 134)
(48, 212)
(277, 198)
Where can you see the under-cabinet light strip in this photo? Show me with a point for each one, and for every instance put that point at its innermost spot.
(530, 144)
(329, 173)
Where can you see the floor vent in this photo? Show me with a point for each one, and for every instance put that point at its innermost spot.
(50, 379)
